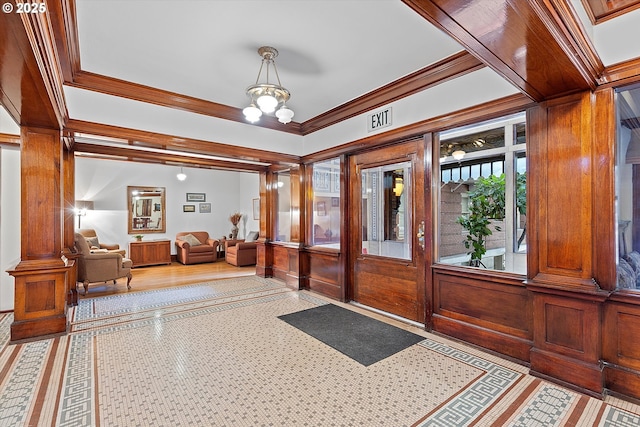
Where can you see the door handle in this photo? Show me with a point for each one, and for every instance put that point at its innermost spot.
(420, 234)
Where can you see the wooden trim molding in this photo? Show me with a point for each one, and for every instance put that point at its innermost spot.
(530, 33)
(64, 24)
(603, 10)
(138, 92)
(169, 142)
(7, 139)
(41, 38)
(449, 68)
(133, 155)
(621, 73)
(504, 106)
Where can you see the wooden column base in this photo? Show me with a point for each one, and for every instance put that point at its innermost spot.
(40, 298)
(583, 376)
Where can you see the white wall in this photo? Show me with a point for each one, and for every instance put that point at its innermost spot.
(105, 183)
(9, 222)
(9, 211)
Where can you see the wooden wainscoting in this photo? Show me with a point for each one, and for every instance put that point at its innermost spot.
(286, 264)
(621, 348)
(324, 272)
(492, 310)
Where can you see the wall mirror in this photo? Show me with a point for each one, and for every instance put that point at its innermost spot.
(146, 210)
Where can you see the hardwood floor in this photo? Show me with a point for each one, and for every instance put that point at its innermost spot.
(165, 276)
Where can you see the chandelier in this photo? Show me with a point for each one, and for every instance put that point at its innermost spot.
(268, 97)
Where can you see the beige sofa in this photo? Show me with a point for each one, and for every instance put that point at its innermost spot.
(100, 266)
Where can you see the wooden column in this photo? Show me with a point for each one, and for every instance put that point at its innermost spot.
(68, 221)
(41, 274)
(567, 300)
(264, 257)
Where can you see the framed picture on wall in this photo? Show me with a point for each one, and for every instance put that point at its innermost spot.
(205, 207)
(196, 197)
(188, 208)
(256, 208)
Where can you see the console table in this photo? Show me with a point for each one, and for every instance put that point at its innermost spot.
(150, 252)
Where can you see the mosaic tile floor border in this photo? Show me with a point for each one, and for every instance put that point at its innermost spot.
(65, 381)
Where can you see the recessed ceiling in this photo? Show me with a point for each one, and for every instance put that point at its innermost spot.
(330, 52)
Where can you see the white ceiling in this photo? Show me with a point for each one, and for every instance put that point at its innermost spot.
(330, 51)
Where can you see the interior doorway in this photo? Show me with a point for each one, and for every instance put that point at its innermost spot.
(387, 242)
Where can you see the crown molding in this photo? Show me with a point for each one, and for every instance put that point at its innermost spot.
(9, 140)
(64, 22)
(602, 10)
(454, 66)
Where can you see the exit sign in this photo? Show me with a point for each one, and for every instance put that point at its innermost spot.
(379, 120)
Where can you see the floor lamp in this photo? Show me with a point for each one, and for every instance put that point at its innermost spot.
(82, 206)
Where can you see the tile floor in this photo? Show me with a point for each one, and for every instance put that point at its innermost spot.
(217, 355)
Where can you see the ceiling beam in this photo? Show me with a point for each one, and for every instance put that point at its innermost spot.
(131, 154)
(537, 45)
(64, 23)
(30, 82)
(189, 145)
(165, 98)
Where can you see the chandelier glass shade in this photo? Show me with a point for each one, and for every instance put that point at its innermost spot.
(267, 98)
(181, 175)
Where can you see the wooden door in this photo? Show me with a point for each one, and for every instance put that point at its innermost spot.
(387, 214)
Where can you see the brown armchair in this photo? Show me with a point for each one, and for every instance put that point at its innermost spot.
(100, 266)
(195, 247)
(94, 243)
(240, 253)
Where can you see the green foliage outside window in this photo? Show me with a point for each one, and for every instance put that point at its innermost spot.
(486, 203)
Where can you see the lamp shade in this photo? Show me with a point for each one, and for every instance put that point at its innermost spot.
(267, 103)
(84, 205)
(284, 114)
(252, 113)
(181, 175)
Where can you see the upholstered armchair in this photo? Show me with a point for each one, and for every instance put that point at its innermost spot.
(95, 244)
(100, 266)
(241, 252)
(195, 247)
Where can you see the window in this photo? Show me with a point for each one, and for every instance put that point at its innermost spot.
(326, 203)
(283, 216)
(482, 216)
(386, 211)
(628, 188)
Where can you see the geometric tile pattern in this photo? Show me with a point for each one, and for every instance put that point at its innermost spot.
(468, 404)
(217, 354)
(5, 329)
(77, 399)
(614, 417)
(20, 387)
(548, 407)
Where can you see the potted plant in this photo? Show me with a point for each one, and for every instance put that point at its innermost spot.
(138, 237)
(486, 203)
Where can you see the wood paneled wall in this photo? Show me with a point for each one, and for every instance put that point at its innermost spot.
(491, 309)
